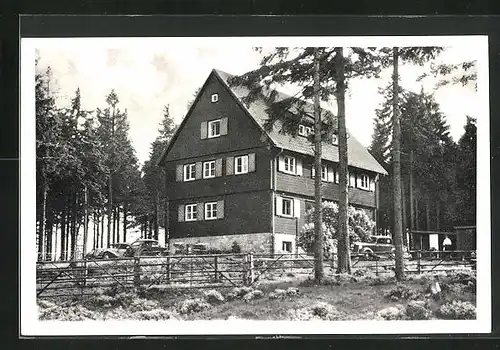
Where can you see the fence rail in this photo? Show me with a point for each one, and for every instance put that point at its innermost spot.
(83, 277)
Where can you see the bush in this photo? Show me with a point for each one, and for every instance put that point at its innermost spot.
(326, 281)
(458, 310)
(140, 304)
(392, 313)
(318, 311)
(416, 310)
(235, 248)
(189, 306)
(254, 294)
(401, 292)
(238, 292)
(153, 314)
(213, 297)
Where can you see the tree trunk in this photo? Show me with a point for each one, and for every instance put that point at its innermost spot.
(398, 230)
(74, 214)
(102, 230)
(113, 223)
(438, 215)
(96, 231)
(41, 228)
(117, 224)
(403, 208)
(50, 235)
(344, 258)
(125, 221)
(157, 214)
(412, 211)
(427, 213)
(86, 223)
(150, 229)
(63, 235)
(417, 215)
(318, 215)
(110, 212)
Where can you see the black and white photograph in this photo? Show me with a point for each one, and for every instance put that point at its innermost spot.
(255, 185)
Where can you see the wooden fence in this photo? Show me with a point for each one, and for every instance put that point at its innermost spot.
(84, 277)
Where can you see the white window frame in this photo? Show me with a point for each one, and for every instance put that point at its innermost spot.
(283, 200)
(324, 171)
(210, 166)
(362, 178)
(290, 163)
(214, 98)
(244, 164)
(286, 243)
(335, 139)
(188, 172)
(210, 131)
(308, 130)
(211, 211)
(189, 212)
(302, 130)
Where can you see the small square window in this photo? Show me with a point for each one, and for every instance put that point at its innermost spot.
(211, 211)
(241, 165)
(215, 98)
(214, 128)
(286, 246)
(289, 166)
(189, 172)
(209, 169)
(302, 130)
(191, 212)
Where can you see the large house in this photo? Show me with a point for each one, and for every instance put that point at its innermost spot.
(230, 180)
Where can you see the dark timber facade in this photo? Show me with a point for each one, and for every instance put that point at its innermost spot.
(230, 180)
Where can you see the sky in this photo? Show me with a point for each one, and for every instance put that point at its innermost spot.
(149, 76)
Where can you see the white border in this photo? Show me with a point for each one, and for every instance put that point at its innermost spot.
(31, 326)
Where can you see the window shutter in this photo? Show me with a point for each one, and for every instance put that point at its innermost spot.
(279, 205)
(218, 167)
(281, 163)
(331, 175)
(179, 172)
(298, 165)
(204, 130)
(229, 165)
(223, 126)
(199, 170)
(180, 212)
(352, 180)
(251, 162)
(296, 207)
(372, 185)
(220, 209)
(200, 215)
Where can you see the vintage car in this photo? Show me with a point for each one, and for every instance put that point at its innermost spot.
(375, 247)
(145, 247)
(115, 251)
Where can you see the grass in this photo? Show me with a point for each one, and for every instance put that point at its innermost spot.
(361, 298)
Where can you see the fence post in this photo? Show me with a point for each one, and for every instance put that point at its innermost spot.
(137, 271)
(216, 269)
(168, 270)
(85, 272)
(419, 256)
(245, 269)
(251, 275)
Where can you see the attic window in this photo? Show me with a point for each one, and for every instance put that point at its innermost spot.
(335, 139)
(302, 130)
(215, 98)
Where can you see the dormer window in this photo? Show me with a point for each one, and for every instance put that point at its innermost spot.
(214, 98)
(302, 130)
(214, 128)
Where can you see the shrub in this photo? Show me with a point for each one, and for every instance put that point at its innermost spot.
(326, 281)
(318, 311)
(458, 310)
(401, 292)
(292, 292)
(103, 300)
(213, 297)
(238, 292)
(235, 248)
(140, 304)
(416, 310)
(392, 313)
(189, 306)
(154, 314)
(254, 294)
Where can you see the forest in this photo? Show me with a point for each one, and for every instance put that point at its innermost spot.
(92, 191)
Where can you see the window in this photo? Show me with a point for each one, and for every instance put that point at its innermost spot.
(324, 172)
(189, 172)
(286, 206)
(209, 169)
(214, 128)
(308, 130)
(302, 130)
(286, 246)
(211, 211)
(215, 98)
(335, 139)
(289, 165)
(241, 165)
(191, 212)
(364, 182)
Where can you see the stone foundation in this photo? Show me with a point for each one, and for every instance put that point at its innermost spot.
(249, 242)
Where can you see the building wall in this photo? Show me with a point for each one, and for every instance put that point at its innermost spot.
(243, 212)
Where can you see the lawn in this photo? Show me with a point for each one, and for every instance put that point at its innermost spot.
(342, 297)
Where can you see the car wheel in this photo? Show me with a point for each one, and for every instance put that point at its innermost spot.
(367, 254)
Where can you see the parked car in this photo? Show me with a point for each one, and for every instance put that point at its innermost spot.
(145, 247)
(115, 251)
(374, 246)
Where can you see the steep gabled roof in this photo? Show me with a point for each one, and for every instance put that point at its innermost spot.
(358, 155)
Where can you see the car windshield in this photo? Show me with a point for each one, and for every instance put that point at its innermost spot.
(384, 241)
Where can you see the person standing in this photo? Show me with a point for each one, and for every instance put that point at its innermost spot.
(447, 246)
